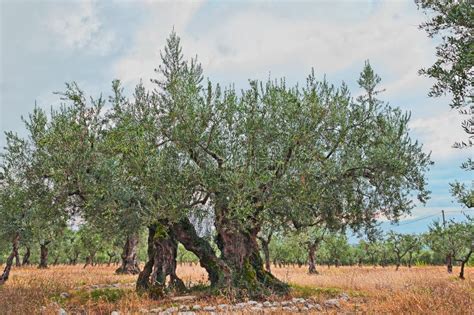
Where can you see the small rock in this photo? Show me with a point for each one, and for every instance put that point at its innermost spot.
(239, 306)
(186, 313)
(143, 311)
(256, 309)
(183, 308)
(318, 307)
(252, 303)
(286, 303)
(267, 304)
(298, 300)
(156, 310)
(222, 307)
(286, 308)
(115, 313)
(332, 303)
(209, 308)
(94, 286)
(171, 309)
(64, 295)
(276, 304)
(196, 307)
(116, 285)
(294, 309)
(259, 305)
(304, 309)
(62, 311)
(344, 297)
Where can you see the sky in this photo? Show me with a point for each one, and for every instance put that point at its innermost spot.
(47, 43)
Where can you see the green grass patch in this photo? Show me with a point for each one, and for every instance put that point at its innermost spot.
(107, 295)
(307, 291)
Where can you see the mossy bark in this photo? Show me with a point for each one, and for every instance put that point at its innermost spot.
(218, 272)
(162, 252)
(240, 251)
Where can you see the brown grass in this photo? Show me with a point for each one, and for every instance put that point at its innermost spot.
(420, 290)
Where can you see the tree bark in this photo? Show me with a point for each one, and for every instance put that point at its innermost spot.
(26, 257)
(129, 257)
(449, 263)
(218, 272)
(17, 258)
(240, 252)
(162, 252)
(43, 255)
(311, 260)
(463, 262)
(266, 254)
(89, 260)
(9, 262)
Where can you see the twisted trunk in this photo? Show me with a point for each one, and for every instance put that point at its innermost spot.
(9, 263)
(240, 252)
(463, 263)
(129, 256)
(162, 252)
(218, 272)
(17, 258)
(43, 255)
(311, 260)
(26, 257)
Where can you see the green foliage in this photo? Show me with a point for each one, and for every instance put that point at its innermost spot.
(453, 70)
(456, 239)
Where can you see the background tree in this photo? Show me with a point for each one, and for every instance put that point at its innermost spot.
(401, 245)
(455, 240)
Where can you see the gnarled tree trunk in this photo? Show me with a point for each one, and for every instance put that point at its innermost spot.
(43, 255)
(17, 259)
(463, 263)
(162, 252)
(9, 263)
(218, 272)
(311, 259)
(240, 252)
(26, 257)
(129, 256)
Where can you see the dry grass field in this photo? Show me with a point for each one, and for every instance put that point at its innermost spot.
(97, 290)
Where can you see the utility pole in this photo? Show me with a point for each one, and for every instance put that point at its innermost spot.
(449, 259)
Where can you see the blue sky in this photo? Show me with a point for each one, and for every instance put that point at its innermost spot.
(46, 43)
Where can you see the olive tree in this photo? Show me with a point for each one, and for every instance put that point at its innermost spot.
(455, 240)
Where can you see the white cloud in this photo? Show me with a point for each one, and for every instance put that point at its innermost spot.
(78, 26)
(439, 132)
(254, 41)
(143, 56)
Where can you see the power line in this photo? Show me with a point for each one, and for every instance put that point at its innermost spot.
(433, 215)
